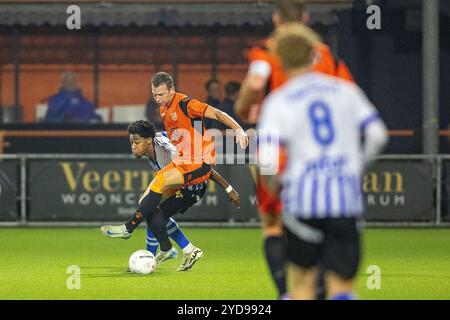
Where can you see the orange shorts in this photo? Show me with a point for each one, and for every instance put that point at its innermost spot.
(268, 203)
(193, 173)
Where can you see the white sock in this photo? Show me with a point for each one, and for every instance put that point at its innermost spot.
(188, 248)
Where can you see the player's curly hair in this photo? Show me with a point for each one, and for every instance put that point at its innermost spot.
(144, 128)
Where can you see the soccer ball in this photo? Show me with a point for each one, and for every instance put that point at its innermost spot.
(142, 261)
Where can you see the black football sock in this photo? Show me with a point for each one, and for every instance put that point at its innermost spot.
(275, 250)
(157, 223)
(321, 290)
(147, 206)
(134, 221)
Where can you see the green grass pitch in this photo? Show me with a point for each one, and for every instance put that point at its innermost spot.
(414, 263)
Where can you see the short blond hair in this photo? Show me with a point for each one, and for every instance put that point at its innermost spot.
(294, 44)
(290, 10)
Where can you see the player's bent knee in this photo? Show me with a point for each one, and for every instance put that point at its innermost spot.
(273, 231)
(302, 282)
(272, 225)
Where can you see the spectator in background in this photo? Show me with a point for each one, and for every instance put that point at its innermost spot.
(231, 93)
(69, 105)
(152, 114)
(212, 87)
(232, 89)
(227, 106)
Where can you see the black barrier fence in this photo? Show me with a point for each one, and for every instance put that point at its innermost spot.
(399, 190)
(109, 190)
(98, 188)
(9, 190)
(446, 190)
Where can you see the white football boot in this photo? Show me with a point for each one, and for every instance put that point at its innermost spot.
(165, 255)
(190, 258)
(116, 231)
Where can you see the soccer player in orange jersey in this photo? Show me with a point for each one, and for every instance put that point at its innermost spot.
(183, 120)
(265, 74)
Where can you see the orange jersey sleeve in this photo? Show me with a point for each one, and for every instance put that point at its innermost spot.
(261, 52)
(343, 72)
(196, 109)
(325, 62)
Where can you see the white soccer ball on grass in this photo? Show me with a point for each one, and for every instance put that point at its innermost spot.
(142, 261)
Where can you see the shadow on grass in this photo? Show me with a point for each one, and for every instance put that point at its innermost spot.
(120, 272)
(117, 269)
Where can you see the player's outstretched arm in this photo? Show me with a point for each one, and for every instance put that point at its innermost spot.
(233, 195)
(272, 184)
(216, 114)
(375, 139)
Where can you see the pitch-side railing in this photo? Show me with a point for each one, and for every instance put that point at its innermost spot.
(23, 196)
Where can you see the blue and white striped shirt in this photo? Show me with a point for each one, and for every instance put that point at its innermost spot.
(318, 119)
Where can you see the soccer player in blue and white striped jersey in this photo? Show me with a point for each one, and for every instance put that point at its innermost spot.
(316, 121)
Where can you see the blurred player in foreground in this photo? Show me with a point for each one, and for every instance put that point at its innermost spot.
(146, 142)
(316, 121)
(191, 165)
(265, 74)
